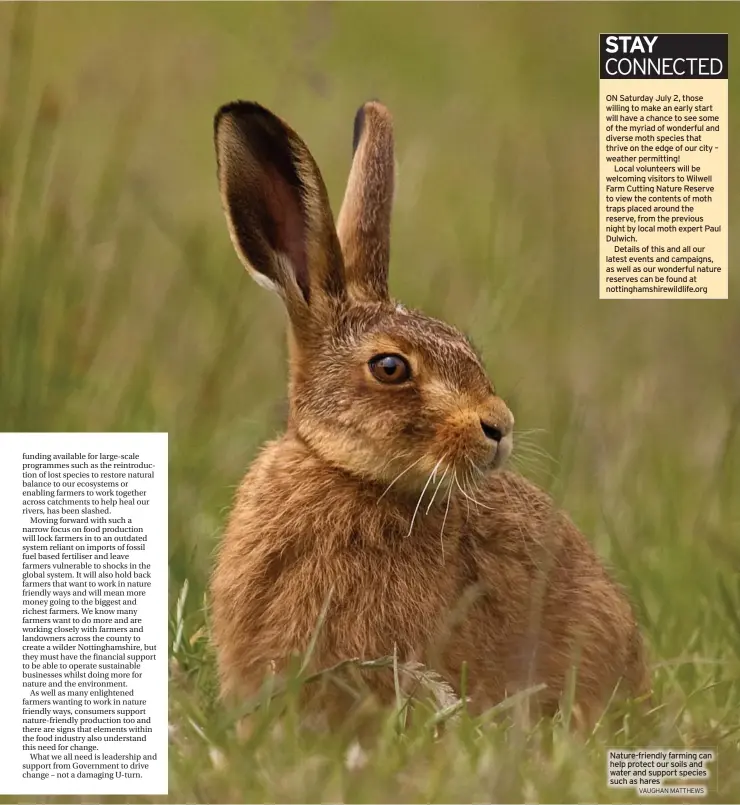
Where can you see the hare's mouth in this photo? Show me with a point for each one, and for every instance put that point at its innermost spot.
(504, 449)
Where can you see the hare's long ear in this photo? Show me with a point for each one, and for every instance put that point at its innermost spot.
(277, 208)
(365, 218)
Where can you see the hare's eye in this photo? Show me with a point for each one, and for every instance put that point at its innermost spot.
(390, 368)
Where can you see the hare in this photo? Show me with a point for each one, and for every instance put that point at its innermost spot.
(384, 510)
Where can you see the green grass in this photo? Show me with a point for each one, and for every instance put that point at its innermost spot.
(122, 307)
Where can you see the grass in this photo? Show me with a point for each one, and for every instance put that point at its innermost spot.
(122, 307)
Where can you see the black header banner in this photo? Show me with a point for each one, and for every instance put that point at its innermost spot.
(660, 56)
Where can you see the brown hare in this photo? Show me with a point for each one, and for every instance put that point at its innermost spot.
(384, 505)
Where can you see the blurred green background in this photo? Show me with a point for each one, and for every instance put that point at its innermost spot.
(123, 307)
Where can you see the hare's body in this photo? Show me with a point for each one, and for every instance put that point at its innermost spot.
(513, 590)
(382, 514)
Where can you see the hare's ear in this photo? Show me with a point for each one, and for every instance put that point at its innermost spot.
(364, 222)
(277, 207)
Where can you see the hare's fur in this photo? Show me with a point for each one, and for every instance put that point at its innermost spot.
(382, 508)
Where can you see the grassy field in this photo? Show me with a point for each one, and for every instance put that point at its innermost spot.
(122, 307)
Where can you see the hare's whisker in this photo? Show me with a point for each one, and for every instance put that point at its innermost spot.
(403, 472)
(529, 432)
(468, 478)
(444, 520)
(441, 481)
(473, 500)
(476, 469)
(525, 463)
(391, 459)
(523, 447)
(467, 506)
(421, 496)
(534, 449)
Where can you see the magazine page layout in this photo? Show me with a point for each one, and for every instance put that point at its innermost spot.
(369, 402)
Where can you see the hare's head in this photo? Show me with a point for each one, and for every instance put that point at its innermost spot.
(375, 389)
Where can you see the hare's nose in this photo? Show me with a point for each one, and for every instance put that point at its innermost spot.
(491, 431)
